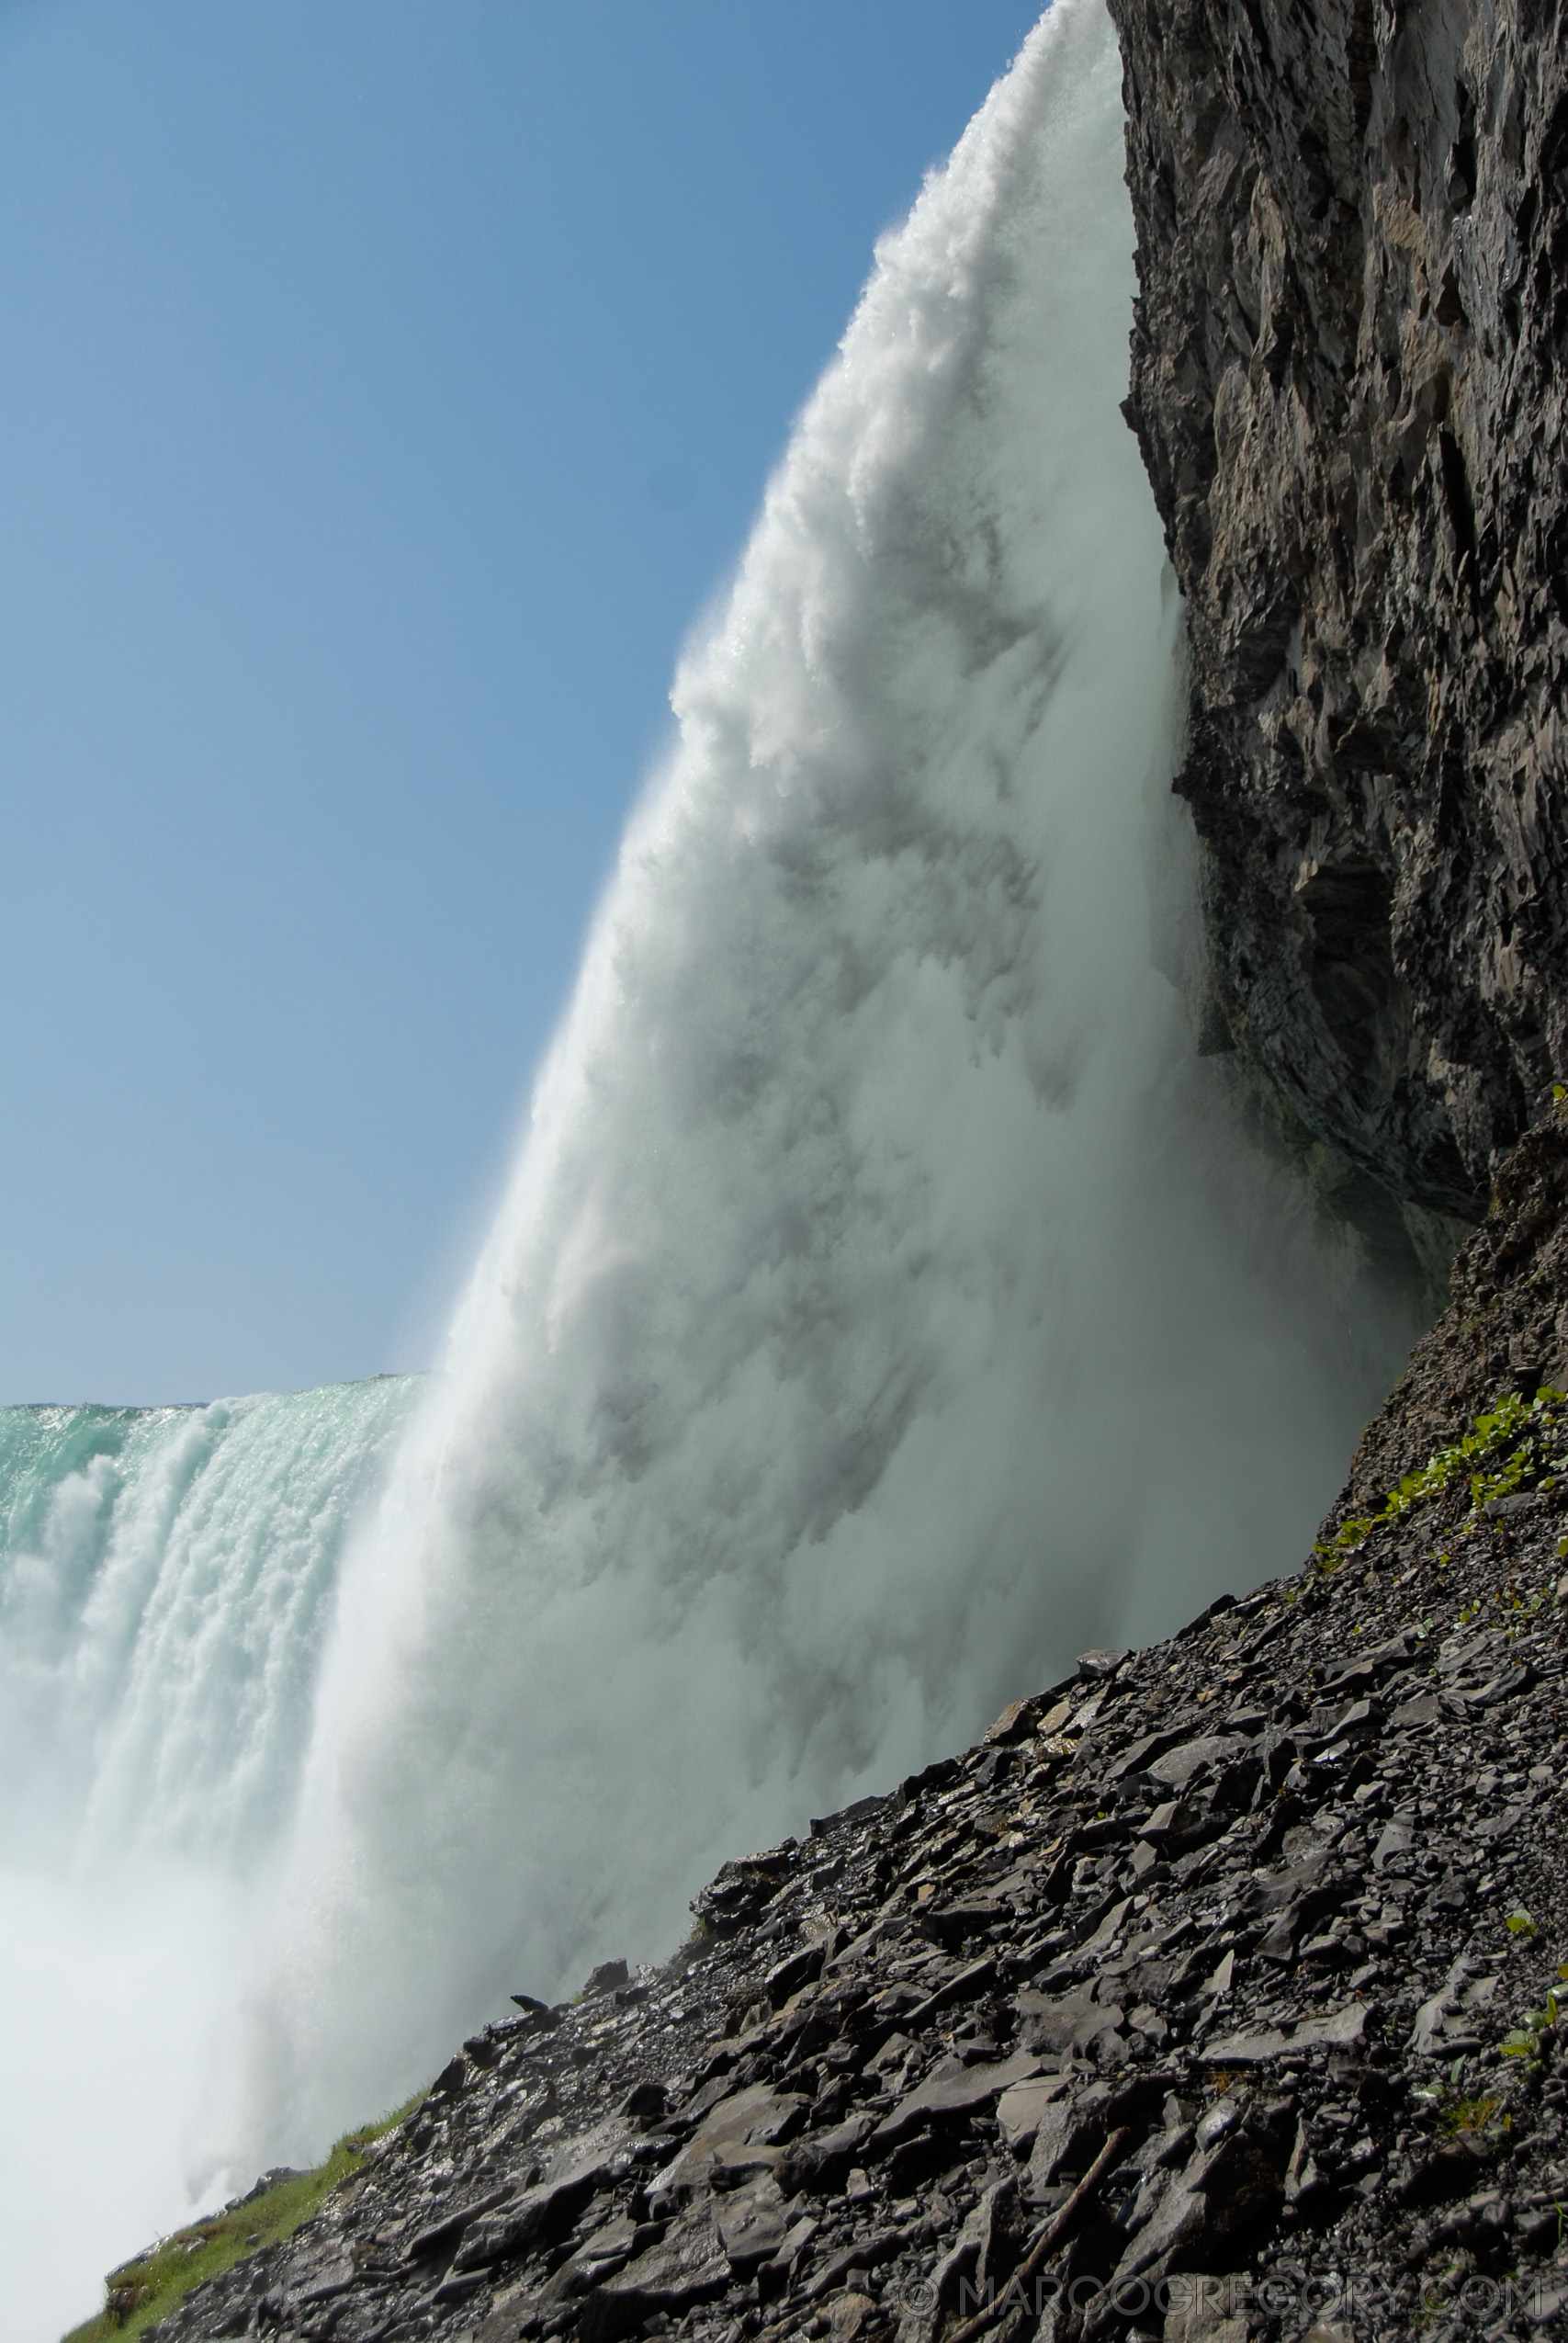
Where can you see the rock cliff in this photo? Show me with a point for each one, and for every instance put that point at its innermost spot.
(1348, 387)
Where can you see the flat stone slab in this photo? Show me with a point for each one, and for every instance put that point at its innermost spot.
(1019, 2108)
(952, 2091)
(1343, 2031)
(1178, 1766)
(745, 2131)
(1062, 2022)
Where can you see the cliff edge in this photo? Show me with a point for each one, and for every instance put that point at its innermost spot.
(1348, 389)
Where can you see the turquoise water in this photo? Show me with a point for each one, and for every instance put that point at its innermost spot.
(166, 1577)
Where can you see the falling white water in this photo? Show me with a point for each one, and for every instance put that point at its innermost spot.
(166, 1579)
(166, 1575)
(886, 1303)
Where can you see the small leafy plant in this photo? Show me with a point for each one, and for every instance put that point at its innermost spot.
(1491, 1432)
(1532, 2038)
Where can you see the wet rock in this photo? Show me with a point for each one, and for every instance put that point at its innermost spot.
(741, 1891)
(787, 1977)
(1396, 1837)
(536, 2216)
(752, 2222)
(1205, 2309)
(1229, 2189)
(1065, 2021)
(821, 2159)
(1020, 2108)
(1069, 2135)
(1263, 2044)
(1018, 1721)
(689, 2267)
(1178, 1766)
(645, 2102)
(444, 2233)
(1343, 349)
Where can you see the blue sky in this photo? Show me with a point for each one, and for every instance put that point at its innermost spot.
(383, 389)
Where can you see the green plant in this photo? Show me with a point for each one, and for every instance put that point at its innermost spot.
(1492, 1431)
(1471, 2114)
(148, 2288)
(1531, 2039)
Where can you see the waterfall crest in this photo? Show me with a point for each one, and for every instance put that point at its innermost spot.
(167, 1578)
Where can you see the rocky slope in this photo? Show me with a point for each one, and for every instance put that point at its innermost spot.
(1348, 387)
(1211, 1996)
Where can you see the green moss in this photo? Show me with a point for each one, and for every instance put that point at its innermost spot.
(1471, 2114)
(156, 2282)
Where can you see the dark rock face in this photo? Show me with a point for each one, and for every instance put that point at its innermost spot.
(1348, 387)
(1504, 1330)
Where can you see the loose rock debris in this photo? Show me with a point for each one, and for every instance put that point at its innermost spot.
(1211, 1994)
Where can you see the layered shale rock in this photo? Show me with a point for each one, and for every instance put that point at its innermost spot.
(1213, 1994)
(1348, 386)
(1504, 1332)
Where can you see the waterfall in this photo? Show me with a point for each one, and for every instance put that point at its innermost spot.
(886, 1303)
(166, 1578)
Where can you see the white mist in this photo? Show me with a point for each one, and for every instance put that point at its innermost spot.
(885, 1303)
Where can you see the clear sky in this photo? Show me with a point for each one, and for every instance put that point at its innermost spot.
(384, 387)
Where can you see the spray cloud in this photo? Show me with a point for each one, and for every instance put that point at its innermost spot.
(885, 1302)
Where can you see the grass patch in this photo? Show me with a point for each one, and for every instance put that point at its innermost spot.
(147, 2289)
(1471, 2115)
